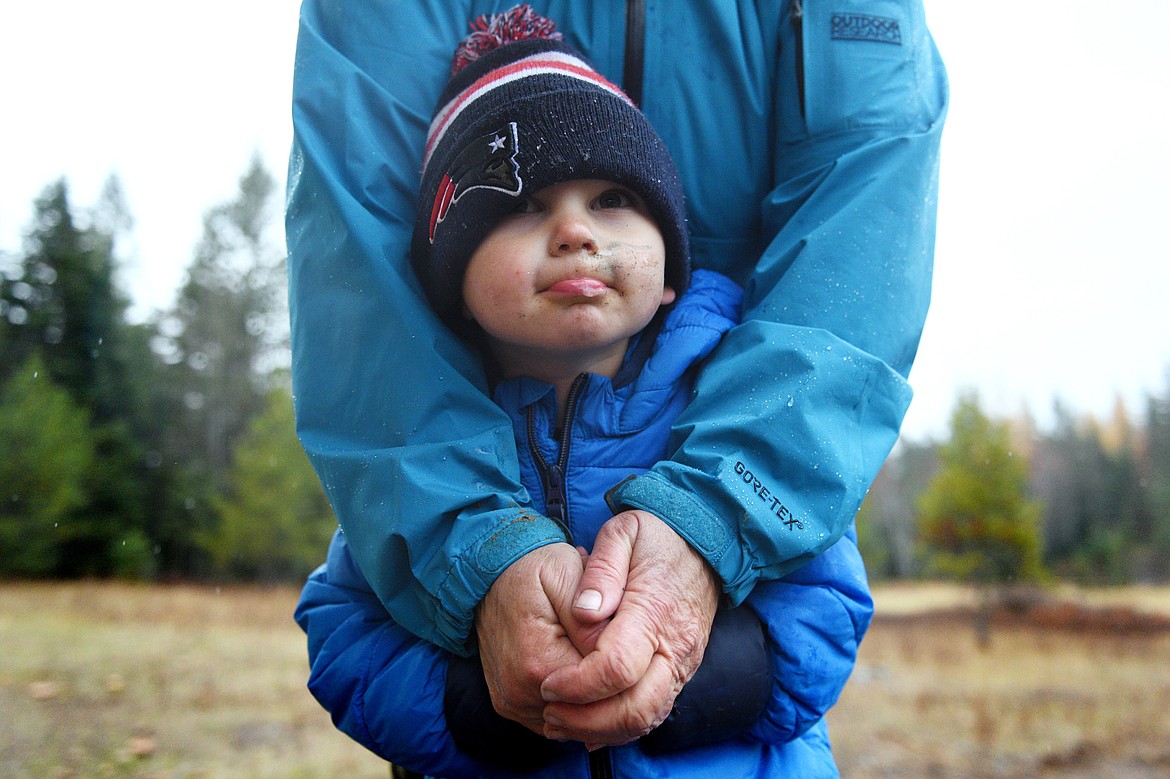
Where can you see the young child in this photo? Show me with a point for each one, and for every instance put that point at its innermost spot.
(551, 231)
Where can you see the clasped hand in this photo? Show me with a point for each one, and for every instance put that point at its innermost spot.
(596, 648)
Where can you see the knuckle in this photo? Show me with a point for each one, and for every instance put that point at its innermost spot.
(511, 693)
(643, 717)
(502, 708)
(531, 675)
(503, 705)
(690, 645)
(604, 568)
(640, 723)
(618, 670)
(624, 524)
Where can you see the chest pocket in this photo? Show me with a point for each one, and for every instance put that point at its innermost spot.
(855, 64)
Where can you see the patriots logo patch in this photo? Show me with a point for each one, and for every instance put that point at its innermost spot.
(487, 162)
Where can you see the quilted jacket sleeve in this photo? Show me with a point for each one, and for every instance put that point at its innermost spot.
(403, 698)
(372, 675)
(815, 619)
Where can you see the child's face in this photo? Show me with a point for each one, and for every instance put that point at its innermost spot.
(575, 271)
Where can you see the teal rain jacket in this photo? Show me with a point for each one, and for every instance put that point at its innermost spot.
(807, 137)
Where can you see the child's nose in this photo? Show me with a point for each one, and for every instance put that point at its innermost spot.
(571, 234)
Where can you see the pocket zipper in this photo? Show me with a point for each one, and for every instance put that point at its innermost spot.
(797, 11)
(635, 50)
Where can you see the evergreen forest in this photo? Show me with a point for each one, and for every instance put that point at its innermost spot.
(166, 449)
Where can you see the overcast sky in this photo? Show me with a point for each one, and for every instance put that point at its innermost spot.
(1052, 265)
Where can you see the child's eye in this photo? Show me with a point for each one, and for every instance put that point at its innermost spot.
(617, 198)
(525, 205)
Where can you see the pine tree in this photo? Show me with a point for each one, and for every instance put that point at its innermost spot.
(223, 322)
(275, 521)
(71, 315)
(1155, 469)
(46, 450)
(227, 330)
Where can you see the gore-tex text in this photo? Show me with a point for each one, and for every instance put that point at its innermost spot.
(766, 495)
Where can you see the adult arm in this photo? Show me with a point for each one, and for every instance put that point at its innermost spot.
(799, 406)
(392, 408)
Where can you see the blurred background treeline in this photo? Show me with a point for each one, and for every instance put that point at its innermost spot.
(165, 448)
(157, 449)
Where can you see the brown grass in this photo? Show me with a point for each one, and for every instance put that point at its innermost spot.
(109, 680)
(1076, 684)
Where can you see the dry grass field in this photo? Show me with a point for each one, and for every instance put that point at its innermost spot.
(112, 680)
(1075, 686)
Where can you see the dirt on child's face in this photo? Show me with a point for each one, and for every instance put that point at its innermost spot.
(575, 271)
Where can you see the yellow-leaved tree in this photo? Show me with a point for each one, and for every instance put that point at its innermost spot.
(976, 521)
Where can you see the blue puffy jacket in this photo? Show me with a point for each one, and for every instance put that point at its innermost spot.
(755, 706)
(807, 137)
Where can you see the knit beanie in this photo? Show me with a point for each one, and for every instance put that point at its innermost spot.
(523, 111)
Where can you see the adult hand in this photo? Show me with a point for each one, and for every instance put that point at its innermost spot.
(626, 686)
(523, 626)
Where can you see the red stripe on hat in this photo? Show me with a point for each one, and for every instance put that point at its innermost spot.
(442, 203)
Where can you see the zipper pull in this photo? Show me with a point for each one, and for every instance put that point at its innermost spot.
(797, 15)
(554, 494)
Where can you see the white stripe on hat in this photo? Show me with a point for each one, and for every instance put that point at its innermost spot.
(552, 62)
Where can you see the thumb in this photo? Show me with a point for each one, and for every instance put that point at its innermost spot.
(606, 570)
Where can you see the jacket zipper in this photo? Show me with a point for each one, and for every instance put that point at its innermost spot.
(556, 506)
(553, 475)
(635, 50)
(797, 11)
(600, 764)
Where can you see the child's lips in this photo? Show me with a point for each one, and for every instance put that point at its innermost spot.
(581, 287)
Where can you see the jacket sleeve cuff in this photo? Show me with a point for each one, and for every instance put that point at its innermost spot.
(477, 568)
(695, 522)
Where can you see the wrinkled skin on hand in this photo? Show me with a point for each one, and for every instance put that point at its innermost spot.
(602, 668)
(658, 598)
(521, 627)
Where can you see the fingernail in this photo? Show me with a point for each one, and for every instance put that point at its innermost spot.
(553, 723)
(555, 735)
(590, 600)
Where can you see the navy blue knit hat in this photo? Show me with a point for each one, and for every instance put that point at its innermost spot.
(521, 112)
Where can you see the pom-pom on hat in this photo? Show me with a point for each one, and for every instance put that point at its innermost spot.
(523, 111)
